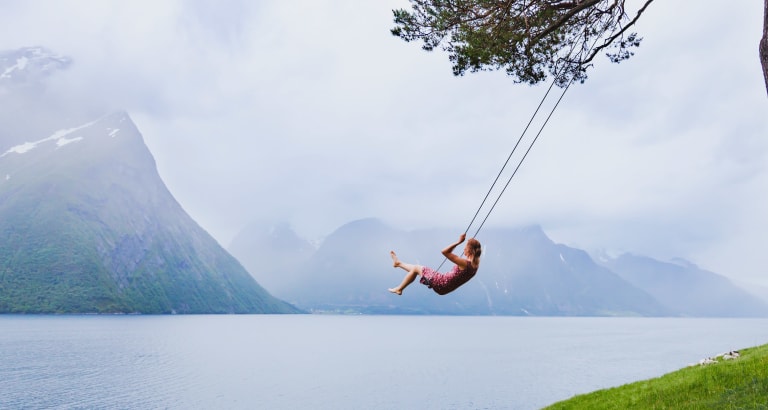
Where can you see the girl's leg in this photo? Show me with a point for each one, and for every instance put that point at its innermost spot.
(413, 272)
(402, 265)
(407, 280)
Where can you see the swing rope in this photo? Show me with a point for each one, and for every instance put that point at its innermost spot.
(509, 157)
(503, 167)
(528, 150)
(552, 111)
(520, 162)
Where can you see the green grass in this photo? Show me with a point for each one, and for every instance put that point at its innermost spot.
(729, 384)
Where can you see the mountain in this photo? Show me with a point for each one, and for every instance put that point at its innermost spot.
(522, 272)
(88, 226)
(86, 223)
(685, 288)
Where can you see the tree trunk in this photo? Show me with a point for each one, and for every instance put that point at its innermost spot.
(764, 46)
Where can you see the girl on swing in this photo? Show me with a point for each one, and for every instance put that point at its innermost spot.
(442, 283)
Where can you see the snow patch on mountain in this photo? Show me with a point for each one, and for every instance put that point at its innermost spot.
(65, 141)
(59, 136)
(21, 62)
(21, 148)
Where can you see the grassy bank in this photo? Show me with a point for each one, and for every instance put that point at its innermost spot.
(741, 383)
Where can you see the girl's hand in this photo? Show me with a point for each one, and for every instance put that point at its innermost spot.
(462, 237)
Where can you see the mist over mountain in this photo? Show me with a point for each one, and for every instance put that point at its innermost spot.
(86, 223)
(271, 249)
(29, 66)
(522, 272)
(30, 108)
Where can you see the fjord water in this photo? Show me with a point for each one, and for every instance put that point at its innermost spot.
(342, 362)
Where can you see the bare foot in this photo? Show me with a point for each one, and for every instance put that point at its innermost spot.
(395, 291)
(395, 261)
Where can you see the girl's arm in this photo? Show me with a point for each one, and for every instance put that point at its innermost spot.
(448, 253)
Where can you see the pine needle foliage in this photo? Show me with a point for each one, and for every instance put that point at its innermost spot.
(529, 39)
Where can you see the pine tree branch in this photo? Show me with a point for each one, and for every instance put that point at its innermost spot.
(565, 17)
(611, 39)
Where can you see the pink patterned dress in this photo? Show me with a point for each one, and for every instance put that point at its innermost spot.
(443, 283)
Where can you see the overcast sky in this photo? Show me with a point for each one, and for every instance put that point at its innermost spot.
(311, 112)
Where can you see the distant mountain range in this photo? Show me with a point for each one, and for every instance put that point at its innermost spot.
(86, 223)
(685, 288)
(522, 272)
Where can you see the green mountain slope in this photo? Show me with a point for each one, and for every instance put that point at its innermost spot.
(87, 225)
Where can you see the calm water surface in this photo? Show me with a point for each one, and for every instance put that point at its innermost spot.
(342, 362)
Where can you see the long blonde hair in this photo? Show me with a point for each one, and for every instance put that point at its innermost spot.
(476, 250)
